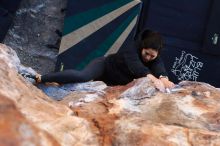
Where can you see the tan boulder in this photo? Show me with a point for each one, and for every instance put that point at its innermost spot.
(37, 108)
(135, 114)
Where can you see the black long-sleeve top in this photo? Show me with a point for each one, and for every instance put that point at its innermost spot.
(121, 68)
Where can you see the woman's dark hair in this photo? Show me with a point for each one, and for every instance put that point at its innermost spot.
(150, 39)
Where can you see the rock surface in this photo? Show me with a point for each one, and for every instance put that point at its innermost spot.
(16, 130)
(34, 29)
(44, 113)
(135, 114)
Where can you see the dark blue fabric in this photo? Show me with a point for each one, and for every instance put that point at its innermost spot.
(185, 19)
(208, 73)
(213, 30)
(142, 17)
(176, 42)
(76, 54)
(187, 26)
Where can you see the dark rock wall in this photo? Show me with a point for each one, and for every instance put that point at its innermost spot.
(33, 35)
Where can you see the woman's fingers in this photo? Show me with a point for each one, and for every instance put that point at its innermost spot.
(159, 85)
(167, 83)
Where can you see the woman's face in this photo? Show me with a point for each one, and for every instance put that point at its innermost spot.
(148, 54)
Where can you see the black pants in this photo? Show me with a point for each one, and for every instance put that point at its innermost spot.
(92, 71)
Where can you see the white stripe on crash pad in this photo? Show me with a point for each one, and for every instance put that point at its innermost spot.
(80, 34)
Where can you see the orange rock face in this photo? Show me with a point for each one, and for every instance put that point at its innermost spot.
(16, 130)
(132, 115)
(44, 113)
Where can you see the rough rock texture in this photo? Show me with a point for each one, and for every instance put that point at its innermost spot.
(16, 130)
(48, 115)
(135, 114)
(34, 29)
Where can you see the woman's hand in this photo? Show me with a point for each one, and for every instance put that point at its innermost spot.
(167, 83)
(157, 83)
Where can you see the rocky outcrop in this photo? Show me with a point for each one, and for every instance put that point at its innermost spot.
(16, 130)
(33, 33)
(135, 114)
(47, 115)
